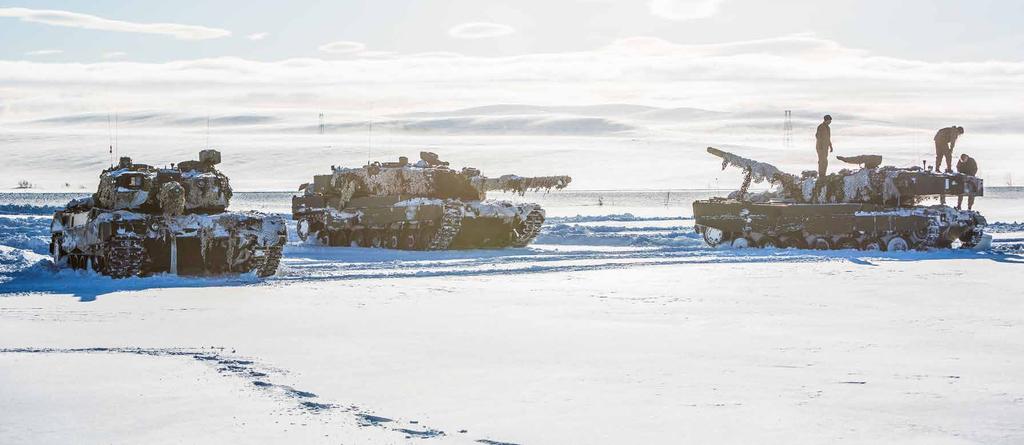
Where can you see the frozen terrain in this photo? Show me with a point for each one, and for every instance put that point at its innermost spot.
(617, 326)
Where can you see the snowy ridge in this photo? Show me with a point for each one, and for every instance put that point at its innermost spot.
(1003, 227)
(27, 209)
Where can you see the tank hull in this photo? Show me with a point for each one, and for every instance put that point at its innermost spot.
(406, 223)
(124, 243)
(835, 226)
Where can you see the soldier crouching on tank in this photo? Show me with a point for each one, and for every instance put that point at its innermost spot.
(945, 141)
(968, 166)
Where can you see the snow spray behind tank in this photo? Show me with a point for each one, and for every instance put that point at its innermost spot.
(867, 208)
(421, 206)
(144, 220)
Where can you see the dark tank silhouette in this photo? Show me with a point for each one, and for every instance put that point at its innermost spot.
(871, 208)
(418, 206)
(144, 220)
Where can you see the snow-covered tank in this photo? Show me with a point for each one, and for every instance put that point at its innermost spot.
(871, 208)
(418, 206)
(144, 220)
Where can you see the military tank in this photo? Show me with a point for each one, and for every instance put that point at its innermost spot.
(870, 208)
(418, 206)
(144, 220)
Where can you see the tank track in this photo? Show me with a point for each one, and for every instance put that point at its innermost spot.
(123, 257)
(929, 238)
(531, 228)
(271, 260)
(448, 228)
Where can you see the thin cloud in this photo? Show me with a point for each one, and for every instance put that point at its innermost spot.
(44, 52)
(342, 47)
(114, 55)
(683, 10)
(796, 71)
(480, 30)
(257, 36)
(86, 21)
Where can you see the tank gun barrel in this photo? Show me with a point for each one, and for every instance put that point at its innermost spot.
(762, 171)
(521, 184)
(755, 171)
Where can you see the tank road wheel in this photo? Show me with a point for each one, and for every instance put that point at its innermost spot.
(528, 229)
(847, 243)
(394, 237)
(448, 228)
(897, 244)
(791, 242)
(358, 238)
(714, 237)
(872, 244)
(819, 243)
(767, 242)
(409, 239)
(124, 257)
(341, 237)
(741, 243)
(375, 238)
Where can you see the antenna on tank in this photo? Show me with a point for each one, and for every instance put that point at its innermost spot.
(207, 130)
(116, 153)
(110, 140)
(369, 142)
(787, 130)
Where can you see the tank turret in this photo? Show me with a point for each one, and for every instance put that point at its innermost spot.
(144, 220)
(139, 187)
(874, 207)
(422, 205)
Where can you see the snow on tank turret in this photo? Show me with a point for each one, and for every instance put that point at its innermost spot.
(872, 208)
(144, 220)
(421, 206)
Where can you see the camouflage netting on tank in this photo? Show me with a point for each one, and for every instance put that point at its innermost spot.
(433, 182)
(503, 210)
(866, 185)
(206, 190)
(519, 184)
(172, 199)
(758, 172)
(367, 181)
(124, 188)
(192, 186)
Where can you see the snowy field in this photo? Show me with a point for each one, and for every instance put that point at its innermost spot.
(617, 326)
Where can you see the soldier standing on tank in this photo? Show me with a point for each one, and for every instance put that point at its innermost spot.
(968, 166)
(823, 144)
(945, 141)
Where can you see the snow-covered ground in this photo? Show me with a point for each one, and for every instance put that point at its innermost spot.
(614, 327)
